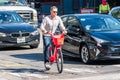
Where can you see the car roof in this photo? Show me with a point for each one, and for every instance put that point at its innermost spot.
(85, 15)
(114, 8)
(117, 7)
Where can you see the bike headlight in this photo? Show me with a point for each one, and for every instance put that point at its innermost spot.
(2, 34)
(35, 32)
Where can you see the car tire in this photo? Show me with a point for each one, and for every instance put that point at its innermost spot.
(85, 54)
(34, 46)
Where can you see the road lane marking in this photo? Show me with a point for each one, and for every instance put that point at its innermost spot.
(78, 70)
(14, 65)
(36, 75)
(28, 75)
(16, 74)
(116, 65)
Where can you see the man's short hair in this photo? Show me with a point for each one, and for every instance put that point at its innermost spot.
(53, 7)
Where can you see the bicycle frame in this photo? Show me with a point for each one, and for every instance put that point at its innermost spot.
(55, 54)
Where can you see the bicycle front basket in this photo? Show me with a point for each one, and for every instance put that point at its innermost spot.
(58, 39)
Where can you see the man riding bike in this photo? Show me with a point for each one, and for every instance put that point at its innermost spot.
(49, 25)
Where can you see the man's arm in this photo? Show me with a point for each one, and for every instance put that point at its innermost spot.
(42, 27)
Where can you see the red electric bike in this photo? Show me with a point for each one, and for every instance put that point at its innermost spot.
(56, 55)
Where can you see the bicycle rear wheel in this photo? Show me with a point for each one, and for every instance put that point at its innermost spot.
(59, 61)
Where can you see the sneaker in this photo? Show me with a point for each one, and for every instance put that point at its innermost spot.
(47, 66)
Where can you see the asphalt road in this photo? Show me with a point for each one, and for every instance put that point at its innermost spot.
(23, 63)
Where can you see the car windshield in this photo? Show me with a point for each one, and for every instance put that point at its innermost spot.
(100, 23)
(10, 17)
(12, 3)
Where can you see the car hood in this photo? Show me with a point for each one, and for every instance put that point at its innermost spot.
(107, 35)
(16, 27)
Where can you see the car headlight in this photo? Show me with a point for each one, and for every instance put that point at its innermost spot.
(2, 34)
(98, 40)
(35, 32)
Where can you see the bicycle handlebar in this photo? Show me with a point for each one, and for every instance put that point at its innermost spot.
(54, 34)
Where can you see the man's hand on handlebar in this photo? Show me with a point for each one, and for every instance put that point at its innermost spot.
(45, 32)
(64, 32)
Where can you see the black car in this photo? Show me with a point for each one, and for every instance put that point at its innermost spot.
(115, 12)
(92, 36)
(14, 32)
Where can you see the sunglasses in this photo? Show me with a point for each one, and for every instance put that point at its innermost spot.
(54, 11)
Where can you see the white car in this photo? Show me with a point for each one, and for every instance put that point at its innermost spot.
(21, 7)
(115, 12)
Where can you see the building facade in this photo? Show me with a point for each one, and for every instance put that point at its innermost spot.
(71, 6)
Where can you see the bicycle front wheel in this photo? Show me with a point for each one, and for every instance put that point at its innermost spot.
(59, 61)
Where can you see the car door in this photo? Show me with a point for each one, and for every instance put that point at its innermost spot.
(72, 39)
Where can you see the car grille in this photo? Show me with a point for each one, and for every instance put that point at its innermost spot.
(26, 15)
(20, 34)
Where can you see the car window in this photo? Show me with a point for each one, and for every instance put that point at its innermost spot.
(100, 23)
(93, 23)
(64, 19)
(116, 13)
(73, 25)
(72, 21)
(10, 17)
(11, 3)
(112, 24)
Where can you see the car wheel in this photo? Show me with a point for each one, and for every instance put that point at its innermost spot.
(85, 55)
(34, 46)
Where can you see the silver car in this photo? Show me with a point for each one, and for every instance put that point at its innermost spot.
(115, 12)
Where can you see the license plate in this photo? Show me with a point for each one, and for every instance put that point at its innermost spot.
(21, 40)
